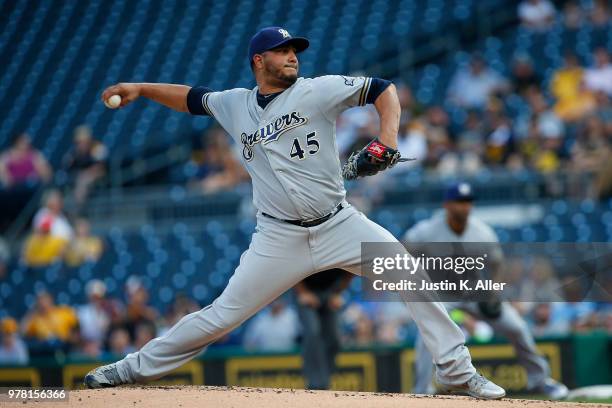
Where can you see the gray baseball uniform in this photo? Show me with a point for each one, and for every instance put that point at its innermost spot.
(289, 150)
(509, 323)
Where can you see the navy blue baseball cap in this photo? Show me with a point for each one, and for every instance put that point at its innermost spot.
(461, 191)
(269, 38)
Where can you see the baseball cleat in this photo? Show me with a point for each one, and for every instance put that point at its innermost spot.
(103, 377)
(478, 387)
(552, 389)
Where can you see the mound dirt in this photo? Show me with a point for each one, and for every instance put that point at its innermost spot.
(238, 397)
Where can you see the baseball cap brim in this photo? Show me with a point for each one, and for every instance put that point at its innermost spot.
(300, 44)
(455, 196)
(460, 199)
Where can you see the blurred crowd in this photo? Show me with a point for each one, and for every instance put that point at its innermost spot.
(565, 125)
(53, 237)
(24, 170)
(541, 15)
(26, 176)
(108, 328)
(101, 326)
(488, 121)
(525, 120)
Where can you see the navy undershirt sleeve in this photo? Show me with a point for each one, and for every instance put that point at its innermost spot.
(377, 86)
(194, 100)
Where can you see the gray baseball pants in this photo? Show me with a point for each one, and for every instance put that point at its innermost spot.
(279, 256)
(509, 324)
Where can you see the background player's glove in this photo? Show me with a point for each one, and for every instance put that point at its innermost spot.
(374, 157)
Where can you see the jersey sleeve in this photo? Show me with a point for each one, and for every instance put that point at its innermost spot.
(414, 234)
(497, 254)
(220, 105)
(336, 93)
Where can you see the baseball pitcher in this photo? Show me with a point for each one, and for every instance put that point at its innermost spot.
(284, 129)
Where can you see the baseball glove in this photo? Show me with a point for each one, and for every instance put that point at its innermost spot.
(374, 157)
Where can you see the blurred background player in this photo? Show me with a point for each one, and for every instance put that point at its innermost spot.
(455, 224)
(319, 299)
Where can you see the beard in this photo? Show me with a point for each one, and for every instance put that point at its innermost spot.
(460, 218)
(287, 79)
(282, 79)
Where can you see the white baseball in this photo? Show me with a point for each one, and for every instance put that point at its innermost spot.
(113, 102)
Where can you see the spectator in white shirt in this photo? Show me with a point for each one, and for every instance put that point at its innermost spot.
(599, 77)
(274, 329)
(537, 15)
(12, 348)
(53, 210)
(472, 86)
(94, 317)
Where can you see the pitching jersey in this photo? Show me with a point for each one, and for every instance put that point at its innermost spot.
(289, 147)
(436, 229)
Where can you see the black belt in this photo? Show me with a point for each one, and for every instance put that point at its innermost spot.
(311, 223)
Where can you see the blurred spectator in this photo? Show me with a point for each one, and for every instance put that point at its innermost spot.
(393, 324)
(95, 316)
(545, 321)
(573, 99)
(603, 181)
(500, 140)
(138, 309)
(471, 86)
(53, 213)
(470, 145)
(145, 332)
(439, 141)
(365, 132)
(547, 129)
(51, 233)
(411, 142)
(119, 342)
(542, 284)
(573, 15)
(579, 314)
(84, 247)
(218, 168)
(274, 329)
(22, 164)
(524, 75)
(49, 327)
(42, 248)
(438, 123)
(591, 149)
(352, 128)
(85, 163)
(537, 15)
(364, 331)
(600, 13)
(181, 307)
(359, 328)
(603, 111)
(23, 170)
(599, 77)
(547, 124)
(12, 348)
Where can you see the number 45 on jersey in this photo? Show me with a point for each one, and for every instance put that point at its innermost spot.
(312, 144)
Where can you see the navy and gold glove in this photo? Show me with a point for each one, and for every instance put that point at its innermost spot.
(374, 157)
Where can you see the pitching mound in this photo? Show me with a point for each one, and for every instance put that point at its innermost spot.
(222, 397)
